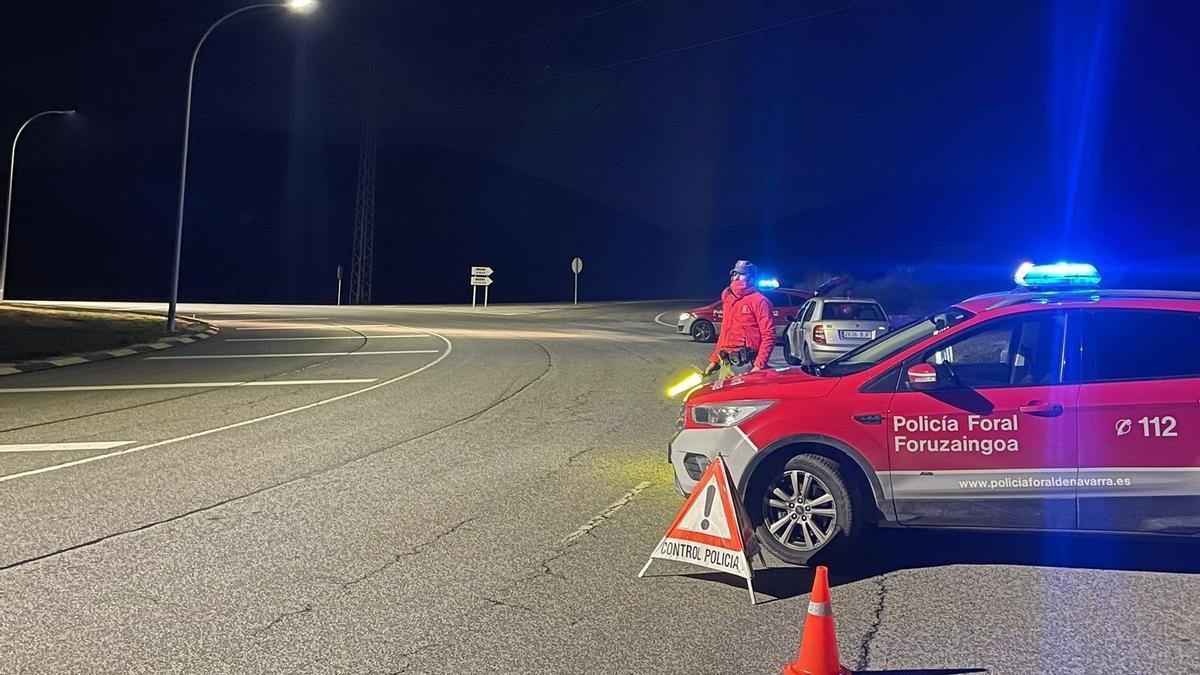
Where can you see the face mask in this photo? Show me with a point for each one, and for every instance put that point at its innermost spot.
(739, 286)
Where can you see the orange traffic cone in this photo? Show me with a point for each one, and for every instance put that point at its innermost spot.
(818, 646)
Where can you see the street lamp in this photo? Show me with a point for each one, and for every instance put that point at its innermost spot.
(297, 6)
(12, 165)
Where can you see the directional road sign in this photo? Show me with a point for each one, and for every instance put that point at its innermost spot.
(482, 281)
(481, 271)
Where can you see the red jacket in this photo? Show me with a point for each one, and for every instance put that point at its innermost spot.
(746, 322)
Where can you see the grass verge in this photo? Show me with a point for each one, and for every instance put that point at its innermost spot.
(30, 332)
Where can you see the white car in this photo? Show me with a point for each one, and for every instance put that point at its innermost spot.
(830, 327)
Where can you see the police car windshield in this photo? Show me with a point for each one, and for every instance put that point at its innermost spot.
(897, 341)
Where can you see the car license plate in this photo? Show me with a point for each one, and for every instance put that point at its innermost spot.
(856, 334)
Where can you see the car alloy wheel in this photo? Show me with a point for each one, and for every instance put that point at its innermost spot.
(702, 331)
(799, 511)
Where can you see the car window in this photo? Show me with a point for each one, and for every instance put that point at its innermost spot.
(851, 311)
(890, 344)
(1141, 345)
(779, 300)
(808, 311)
(1025, 351)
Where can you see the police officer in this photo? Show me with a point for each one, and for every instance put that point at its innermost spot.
(747, 329)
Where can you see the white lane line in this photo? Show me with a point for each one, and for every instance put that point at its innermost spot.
(668, 325)
(330, 337)
(235, 425)
(273, 356)
(184, 385)
(606, 514)
(251, 319)
(62, 447)
(316, 327)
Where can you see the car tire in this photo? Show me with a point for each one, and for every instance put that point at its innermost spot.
(788, 351)
(703, 331)
(822, 526)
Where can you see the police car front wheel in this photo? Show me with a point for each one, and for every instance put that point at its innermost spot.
(807, 511)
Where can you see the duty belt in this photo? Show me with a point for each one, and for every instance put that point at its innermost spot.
(739, 357)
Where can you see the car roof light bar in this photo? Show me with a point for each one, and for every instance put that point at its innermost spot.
(1057, 275)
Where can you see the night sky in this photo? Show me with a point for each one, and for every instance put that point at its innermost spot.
(659, 140)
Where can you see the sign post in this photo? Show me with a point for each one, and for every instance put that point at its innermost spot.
(480, 276)
(577, 267)
(339, 280)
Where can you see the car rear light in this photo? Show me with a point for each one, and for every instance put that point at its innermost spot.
(819, 334)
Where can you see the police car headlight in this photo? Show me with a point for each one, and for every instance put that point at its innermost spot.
(728, 414)
(685, 316)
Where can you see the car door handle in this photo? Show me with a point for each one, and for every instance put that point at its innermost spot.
(1041, 409)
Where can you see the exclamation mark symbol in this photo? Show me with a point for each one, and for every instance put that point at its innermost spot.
(708, 499)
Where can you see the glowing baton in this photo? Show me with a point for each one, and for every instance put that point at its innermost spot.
(688, 383)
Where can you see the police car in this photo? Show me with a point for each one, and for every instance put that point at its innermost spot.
(1056, 406)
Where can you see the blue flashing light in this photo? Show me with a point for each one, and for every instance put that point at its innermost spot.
(768, 283)
(1057, 275)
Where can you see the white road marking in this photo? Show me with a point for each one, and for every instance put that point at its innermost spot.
(251, 319)
(663, 323)
(317, 327)
(184, 385)
(606, 514)
(62, 447)
(235, 425)
(330, 337)
(68, 361)
(272, 356)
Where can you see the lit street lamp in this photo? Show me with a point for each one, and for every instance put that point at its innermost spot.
(12, 165)
(298, 6)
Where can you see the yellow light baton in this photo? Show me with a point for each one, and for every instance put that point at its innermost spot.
(693, 380)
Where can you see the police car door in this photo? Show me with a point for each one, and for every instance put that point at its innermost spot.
(1139, 421)
(994, 444)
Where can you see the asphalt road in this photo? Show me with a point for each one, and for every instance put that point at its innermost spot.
(429, 490)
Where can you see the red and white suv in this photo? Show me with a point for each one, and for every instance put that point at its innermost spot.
(1020, 410)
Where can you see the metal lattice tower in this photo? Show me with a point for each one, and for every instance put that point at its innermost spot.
(362, 260)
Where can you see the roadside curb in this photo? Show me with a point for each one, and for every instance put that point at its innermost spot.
(200, 331)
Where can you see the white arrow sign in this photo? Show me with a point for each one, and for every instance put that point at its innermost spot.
(482, 281)
(481, 271)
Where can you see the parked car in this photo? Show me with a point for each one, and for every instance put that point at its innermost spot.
(829, 327)
(1026, 410)
(703, 324)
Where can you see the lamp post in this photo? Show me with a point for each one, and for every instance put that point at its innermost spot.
(298, 6)
(12, 166)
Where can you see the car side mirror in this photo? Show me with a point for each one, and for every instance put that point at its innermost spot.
(923, 377)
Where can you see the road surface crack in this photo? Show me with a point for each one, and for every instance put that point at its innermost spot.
(494, 602)
(407, 656)
(415, 550)
(544, 568)
(606, 514)
(864, 650)
(283, 617)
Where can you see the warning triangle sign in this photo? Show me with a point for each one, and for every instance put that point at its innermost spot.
(712, 529)
(711, 514)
